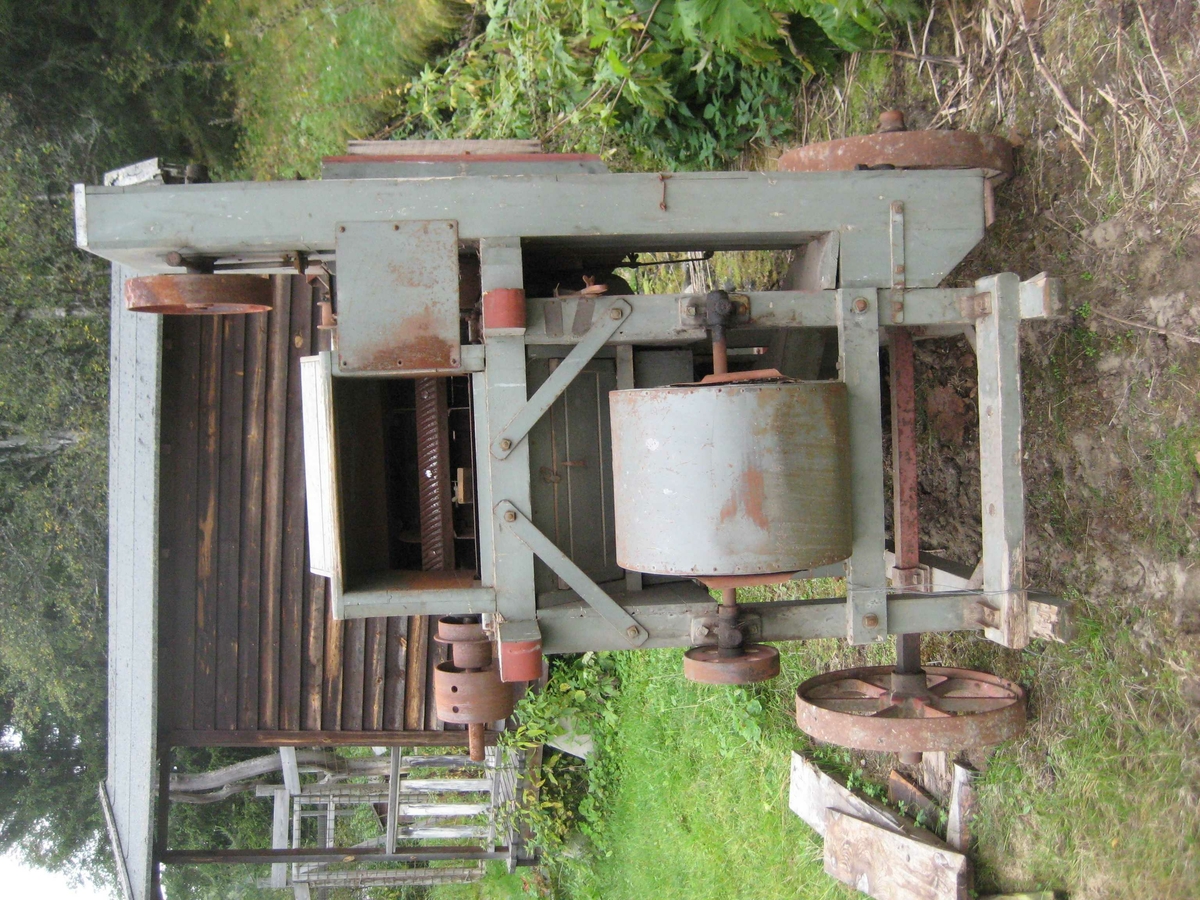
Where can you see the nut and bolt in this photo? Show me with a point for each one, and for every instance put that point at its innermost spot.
(631, 632)
(510, 516)
(615, 313)
(871, 620)
(505, 444)
(860, 305)
(693, 310)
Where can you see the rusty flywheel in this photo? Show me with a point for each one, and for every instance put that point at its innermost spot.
(877, 708)
(198, 294)
(893, 147)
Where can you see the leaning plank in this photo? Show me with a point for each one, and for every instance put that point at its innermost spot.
(441, 148)
(279, 836)
(813, 792)
(890, 866)
(903, 790)
(962, 808)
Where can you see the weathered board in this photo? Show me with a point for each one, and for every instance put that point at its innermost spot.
(890, 866)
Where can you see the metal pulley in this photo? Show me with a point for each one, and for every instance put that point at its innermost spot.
(202, 294)
(467, 690)
(739, 475)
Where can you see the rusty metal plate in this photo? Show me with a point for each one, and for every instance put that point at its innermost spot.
(198, 295)
(876, 708)
(758, 662)
(463, 696)
(905, 150)
(397, 296)
(736, 479)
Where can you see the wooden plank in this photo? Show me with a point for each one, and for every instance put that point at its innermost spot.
(415, 675)
(177, 616)
(353, 659)
(279, 836)
(278, 341)
(290, 769)
(314, 651)
(374, 667)
(229, 517)
(902, 790)
(962, 808)
(295, 543)
(250, 590)
(331, 700)
(207, 492)
(275, 738)
(397, 654)
(890, 866)
(814, 792)
(935, 774)
(441, 148)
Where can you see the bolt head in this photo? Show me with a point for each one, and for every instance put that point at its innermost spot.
(860, 305)
(615, 313)
(871, 620)
(510, 516)
(505, 444)
(632, 631)
(692, 310)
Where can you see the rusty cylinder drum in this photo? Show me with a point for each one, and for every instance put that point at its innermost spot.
(731, 479)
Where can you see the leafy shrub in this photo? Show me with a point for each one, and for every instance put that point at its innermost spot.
(672, 84)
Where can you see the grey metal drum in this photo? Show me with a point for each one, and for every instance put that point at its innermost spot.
(731, 479)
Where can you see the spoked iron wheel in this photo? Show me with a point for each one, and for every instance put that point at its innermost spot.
(880, 709)
(198, 294)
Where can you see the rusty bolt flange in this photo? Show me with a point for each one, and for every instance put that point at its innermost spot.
(510, 516)
(861, 305)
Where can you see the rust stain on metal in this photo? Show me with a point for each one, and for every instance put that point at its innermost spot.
(749, 495)
(504, 308)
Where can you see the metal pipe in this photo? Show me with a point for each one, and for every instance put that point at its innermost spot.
(720, 353)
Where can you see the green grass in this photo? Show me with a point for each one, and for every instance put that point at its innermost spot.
(311, 74)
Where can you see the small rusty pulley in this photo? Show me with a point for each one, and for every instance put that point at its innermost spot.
(878, 708)
(194, 294)
(731, 661)
(467, 690)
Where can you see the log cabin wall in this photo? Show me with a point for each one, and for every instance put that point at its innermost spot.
(249, 650)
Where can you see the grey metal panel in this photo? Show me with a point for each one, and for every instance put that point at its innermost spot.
(656, 368)
(135, 359)
(570, 465)
(721, 210)
(397, 296)
(366, 167)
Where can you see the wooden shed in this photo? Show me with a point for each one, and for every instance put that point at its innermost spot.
(219, 635)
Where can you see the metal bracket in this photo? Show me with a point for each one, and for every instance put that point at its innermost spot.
(537, 405)
(562, 566)
(918, 578)
(976, 306)
(704, 628)
(692, 310)
(899, 283)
